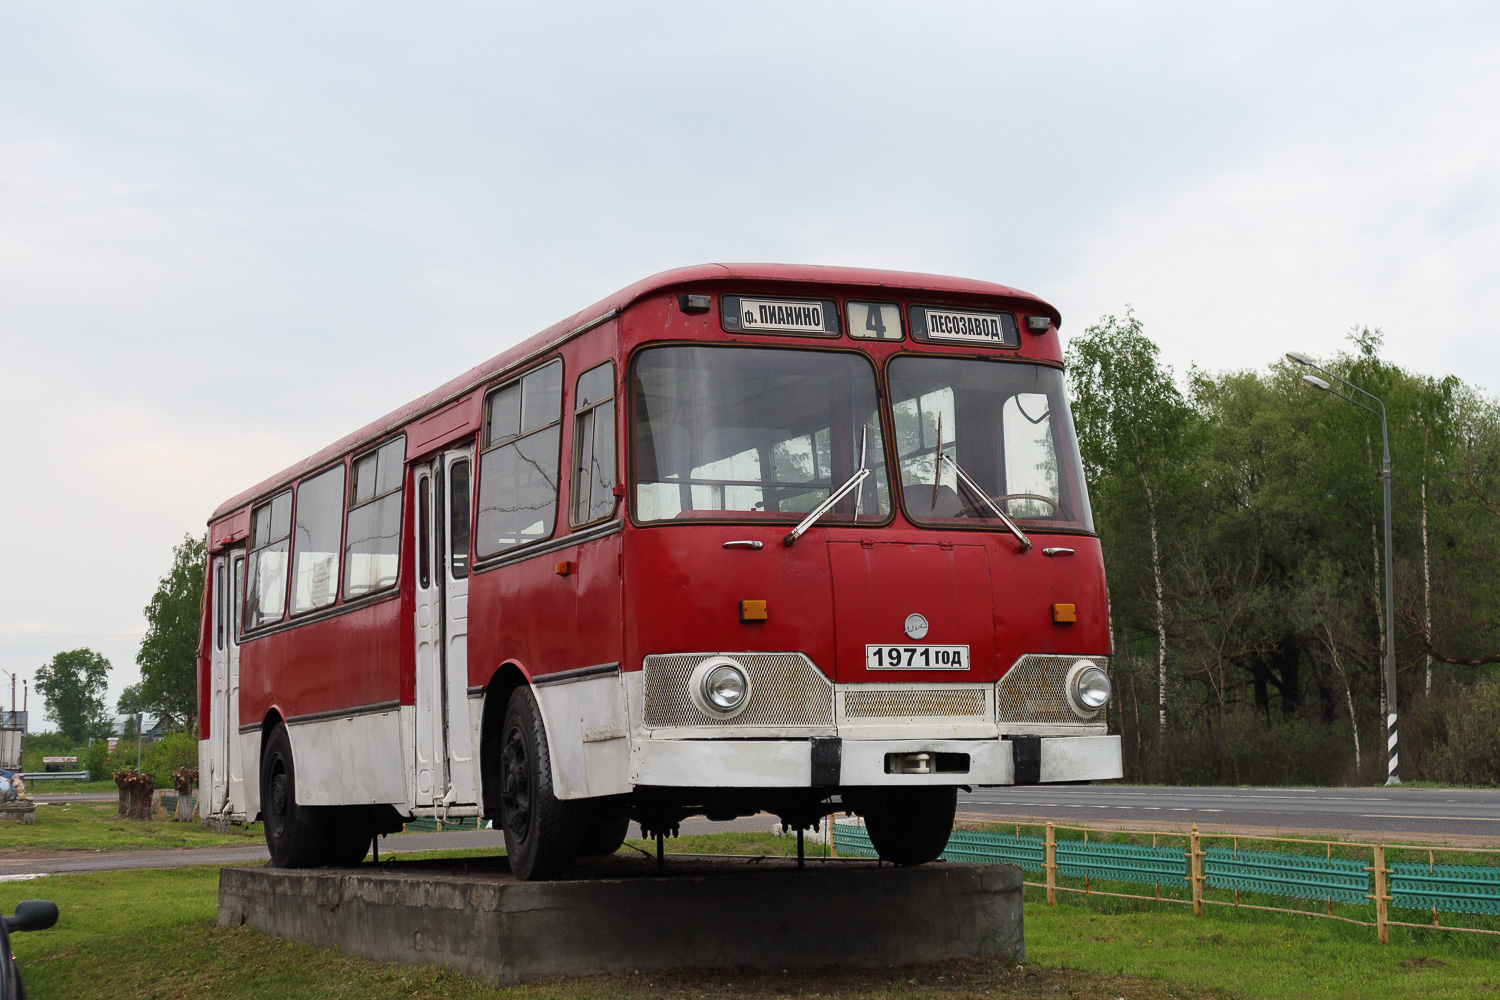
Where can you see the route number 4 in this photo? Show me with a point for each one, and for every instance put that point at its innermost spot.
(875, 320)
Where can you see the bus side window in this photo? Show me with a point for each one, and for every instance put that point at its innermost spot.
(518, 467)
(372, 542)
(270, 537)
(458, 507)
(221, 602)
(239, 599)
(593, 483)
(315, 542)
(424, 533)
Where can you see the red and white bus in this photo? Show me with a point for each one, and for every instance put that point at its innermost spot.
(738, 538)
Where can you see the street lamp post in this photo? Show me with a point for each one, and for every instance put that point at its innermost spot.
(1392, 774)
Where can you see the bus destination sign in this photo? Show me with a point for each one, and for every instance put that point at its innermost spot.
(964, 326)
(805, 317)
(782, 317)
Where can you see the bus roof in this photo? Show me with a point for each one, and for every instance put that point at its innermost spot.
(612, 305)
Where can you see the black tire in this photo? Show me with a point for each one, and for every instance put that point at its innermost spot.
(296, 835)
(350, 839)
(910, 826)
(604, 834)
(542, 832)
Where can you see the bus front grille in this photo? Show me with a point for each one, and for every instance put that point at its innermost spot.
(895, 703)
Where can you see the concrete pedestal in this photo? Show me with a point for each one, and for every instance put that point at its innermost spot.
(619, 915)
(18, 812)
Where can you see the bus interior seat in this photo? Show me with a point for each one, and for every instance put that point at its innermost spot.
(919, 501)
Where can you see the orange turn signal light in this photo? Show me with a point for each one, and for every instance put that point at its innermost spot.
(753, 611)
(564, 568)
(1064, 614)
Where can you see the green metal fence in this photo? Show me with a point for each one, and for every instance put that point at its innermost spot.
(1451, 888)
(1293, 874)
(1279, 873)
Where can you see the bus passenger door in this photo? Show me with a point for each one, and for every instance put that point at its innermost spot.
(457, 492)
(237, 803)
(226, 784)
(429, 639)
(444, 752)
(223, 730)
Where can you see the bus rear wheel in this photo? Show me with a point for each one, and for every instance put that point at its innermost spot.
(296, 835)
(910, 826)
(605, 833)
(351, 838)
(542, 832)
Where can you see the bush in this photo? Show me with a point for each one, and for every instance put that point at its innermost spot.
(95, 760)
(1470, 754)
(1248, 750)
(174, 750)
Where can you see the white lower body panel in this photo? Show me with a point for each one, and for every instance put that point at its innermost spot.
(349, 760)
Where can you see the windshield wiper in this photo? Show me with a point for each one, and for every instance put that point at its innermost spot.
(963, 478)
(834, 497)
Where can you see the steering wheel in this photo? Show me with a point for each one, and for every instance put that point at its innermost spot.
(1000, 499)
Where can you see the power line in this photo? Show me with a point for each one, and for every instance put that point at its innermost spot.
(97, 635)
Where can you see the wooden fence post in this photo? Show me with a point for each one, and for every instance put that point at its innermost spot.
(1049, 861)
(1382, 932)
(1195, 850)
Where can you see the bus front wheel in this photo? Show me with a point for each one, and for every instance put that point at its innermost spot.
(542, 832)
(910, 826)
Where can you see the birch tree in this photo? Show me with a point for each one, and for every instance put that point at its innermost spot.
(1132, 429)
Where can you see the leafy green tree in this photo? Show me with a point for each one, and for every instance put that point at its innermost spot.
(1242, 520)
(1133, 426)
(169, 650)
(74, 684)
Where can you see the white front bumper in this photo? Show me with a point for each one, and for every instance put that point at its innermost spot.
(739, 763)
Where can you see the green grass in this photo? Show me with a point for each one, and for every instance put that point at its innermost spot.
(151, 933)
(1258, 955)
(96, 826)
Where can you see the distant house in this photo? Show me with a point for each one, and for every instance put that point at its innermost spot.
(155, 730)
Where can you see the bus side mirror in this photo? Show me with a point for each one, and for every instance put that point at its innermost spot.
(32, 915)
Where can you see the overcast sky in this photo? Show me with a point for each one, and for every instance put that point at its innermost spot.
(230, 233)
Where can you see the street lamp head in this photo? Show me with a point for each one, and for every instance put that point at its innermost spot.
(1299, 357)
(1316, 382)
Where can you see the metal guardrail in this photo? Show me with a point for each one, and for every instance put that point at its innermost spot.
(30, 776)
(1467, 889)
(1276, 873)
(1453, 888)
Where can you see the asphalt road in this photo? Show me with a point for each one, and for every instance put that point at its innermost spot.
(65, 862)
(1421, 813)
(1366, 811)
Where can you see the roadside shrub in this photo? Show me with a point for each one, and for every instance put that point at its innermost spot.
(1470, 754)
(95, 760)
(166, 755)
(1246, 750)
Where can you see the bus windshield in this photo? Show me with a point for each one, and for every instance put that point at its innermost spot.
(755, 432)
(1004, 425)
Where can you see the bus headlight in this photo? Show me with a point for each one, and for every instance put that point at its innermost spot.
(720, 686)
(1087, 688)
